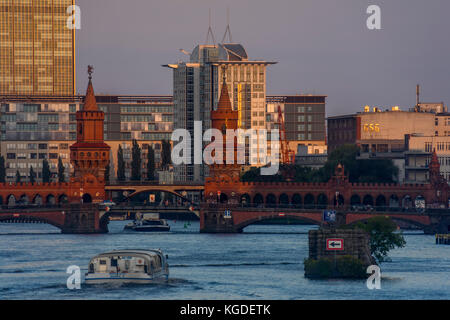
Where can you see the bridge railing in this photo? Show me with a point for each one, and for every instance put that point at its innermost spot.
(152, 183)
(35, 207)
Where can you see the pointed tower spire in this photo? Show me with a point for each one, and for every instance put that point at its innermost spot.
(224, 100)
(90, 102)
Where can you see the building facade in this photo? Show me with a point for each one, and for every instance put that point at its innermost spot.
(34, 129)
(304, 118)
(196, 87)
(37, 49)
(408, 138)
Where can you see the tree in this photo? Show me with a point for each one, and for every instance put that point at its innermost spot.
(32, 175)
(2, 169)
(120, 165)
(46, 174)
(166, 151)
(107, 169)
(150, 164)
(61, 177)
(136, 162)
(18, 176)
(383, 236)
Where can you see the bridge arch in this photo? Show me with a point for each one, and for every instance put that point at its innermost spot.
(37, 199)
(245, 199)
(322, 201)
(258, 199)
(380, 202)
(30, 219)
(272, 216)
(393, 201)
(11, 200)
(309, 201)
(368, 200)
(50, 199)
(223, 198)
(162, 190)
(63, 198)
(414, 220)
(271, 199)
(283, 199)
(296, 199)
(355, 200)
(23, 200)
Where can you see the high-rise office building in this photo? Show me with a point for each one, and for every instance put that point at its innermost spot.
(196, 87)
(37, 49)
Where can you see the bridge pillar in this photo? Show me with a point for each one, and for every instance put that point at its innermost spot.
(214, 221)
(83, 219)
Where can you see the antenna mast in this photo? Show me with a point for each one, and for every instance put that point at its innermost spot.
(210, 33)
(228, 30)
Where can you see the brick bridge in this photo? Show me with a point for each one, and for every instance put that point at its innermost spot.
(69, 218)
(424, 205)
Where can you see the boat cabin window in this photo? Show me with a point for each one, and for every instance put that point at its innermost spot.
(113, 262)
(102, 261)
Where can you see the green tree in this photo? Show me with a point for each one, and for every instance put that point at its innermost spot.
(18, 178)
(120, 165)
(46, 173)
(150, 164)
(61, 169)
(383, 236)
(136, 162)
(32, 175)
(166, 151)
(2, 169)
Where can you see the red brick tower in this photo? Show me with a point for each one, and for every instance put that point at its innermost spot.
(222, 119)
(89, 155)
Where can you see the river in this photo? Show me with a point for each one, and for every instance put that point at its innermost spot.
(264, 262)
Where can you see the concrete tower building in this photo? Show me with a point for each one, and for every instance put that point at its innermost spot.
(196, 88)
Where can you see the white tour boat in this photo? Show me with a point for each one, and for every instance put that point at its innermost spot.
(128, 266)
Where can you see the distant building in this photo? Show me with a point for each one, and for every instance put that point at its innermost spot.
(304, 118)
(197, 83)
(37, 52)
(38, 128)
(406, 137)
(305, 158)
(342, 130)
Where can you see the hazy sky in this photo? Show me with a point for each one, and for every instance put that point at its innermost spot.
(322, 46)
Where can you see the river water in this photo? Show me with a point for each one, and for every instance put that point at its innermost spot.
(264, 262)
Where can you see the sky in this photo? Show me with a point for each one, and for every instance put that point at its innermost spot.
(321, 46)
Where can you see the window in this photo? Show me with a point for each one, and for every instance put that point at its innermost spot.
(42, 146)
(10, 156)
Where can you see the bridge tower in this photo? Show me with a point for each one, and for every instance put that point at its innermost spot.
(225, 118)
(90, 154)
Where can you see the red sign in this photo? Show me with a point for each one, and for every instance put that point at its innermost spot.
(16, 215)
(335, 244)
(281, 214)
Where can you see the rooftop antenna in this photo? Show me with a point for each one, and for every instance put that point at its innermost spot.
(417, 95)
(210, 31)
(228, 30)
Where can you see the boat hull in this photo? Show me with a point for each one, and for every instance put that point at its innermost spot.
(101, 278)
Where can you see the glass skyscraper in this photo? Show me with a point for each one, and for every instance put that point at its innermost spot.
(37, 49)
